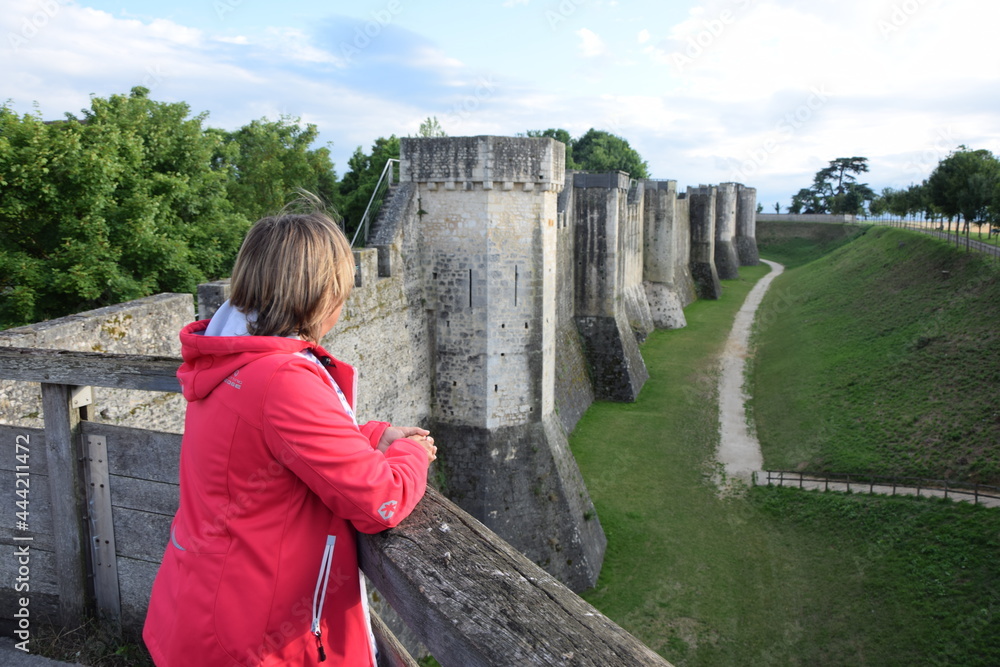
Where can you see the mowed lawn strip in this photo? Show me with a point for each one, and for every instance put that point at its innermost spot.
(776, 577)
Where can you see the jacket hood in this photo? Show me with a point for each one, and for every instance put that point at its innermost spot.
(209, 360)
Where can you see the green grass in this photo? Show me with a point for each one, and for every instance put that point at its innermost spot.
(796, 243)
(777, 576)
(883, 357)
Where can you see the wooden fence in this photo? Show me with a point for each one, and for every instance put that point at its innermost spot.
(979, 494)
(95, 513)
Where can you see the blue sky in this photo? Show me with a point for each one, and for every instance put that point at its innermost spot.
(763, 92)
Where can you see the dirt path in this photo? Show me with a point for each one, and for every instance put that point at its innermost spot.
(739, 454)
(739, 457)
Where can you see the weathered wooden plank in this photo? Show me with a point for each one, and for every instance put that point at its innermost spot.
(42, 591)
(391, 653)
(8, 445)
(475, 601)
(145, 495)
(135, 581)
(135, 452)
(121, 371)
(39, 517)
(141, 535)
(62, 429)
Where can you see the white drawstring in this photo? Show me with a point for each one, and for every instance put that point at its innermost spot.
(319, 596)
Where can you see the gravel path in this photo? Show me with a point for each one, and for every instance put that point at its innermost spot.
(739, 454)
(739, 457)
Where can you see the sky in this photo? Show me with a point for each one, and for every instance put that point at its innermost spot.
(761, 92)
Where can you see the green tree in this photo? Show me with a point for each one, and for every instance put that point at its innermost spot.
(965, 185)
(121, 203)
(598, 150)
(835, 189)
(431, 128)
(805, 201)
(269, 161)
(559, 135)
(362, 176)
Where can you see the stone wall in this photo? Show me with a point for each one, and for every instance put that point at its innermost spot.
(145, 326)
(574, 390)
(605, 235)
(806, 217)
(498, 297)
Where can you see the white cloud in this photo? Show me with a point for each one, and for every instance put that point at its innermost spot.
(591, 45)
(643, 36)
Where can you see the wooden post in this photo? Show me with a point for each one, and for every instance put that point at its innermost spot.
(62, 429)
(391, 653)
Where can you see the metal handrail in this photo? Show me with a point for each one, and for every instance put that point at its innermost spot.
(384, 181)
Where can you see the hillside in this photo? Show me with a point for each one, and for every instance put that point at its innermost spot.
(882, 356)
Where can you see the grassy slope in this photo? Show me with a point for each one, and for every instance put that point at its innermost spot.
(869, 360)
(778, 577)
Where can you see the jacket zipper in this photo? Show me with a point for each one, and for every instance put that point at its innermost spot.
(319, 596)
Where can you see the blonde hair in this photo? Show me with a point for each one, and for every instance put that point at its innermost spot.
(293, 270)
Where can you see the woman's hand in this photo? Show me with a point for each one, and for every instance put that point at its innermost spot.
(418, 435)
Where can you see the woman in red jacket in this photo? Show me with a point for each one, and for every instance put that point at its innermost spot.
(275, 473)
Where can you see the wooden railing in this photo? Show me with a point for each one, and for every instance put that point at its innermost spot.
(101, 499)
(978, 494)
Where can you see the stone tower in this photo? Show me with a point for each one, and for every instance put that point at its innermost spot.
(746, 226)
(611, 306)
(706, 277)
(727, 262)
(487, 208)
(665, 255)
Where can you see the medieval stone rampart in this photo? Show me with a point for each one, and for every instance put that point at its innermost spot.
(498, 297)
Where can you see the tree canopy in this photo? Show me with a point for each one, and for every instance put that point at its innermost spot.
(115, 205)
(835, 189)
(270, 160)
(597, 150)
(135, 197)
(967, 184)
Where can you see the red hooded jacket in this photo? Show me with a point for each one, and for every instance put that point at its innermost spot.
(275, 476)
